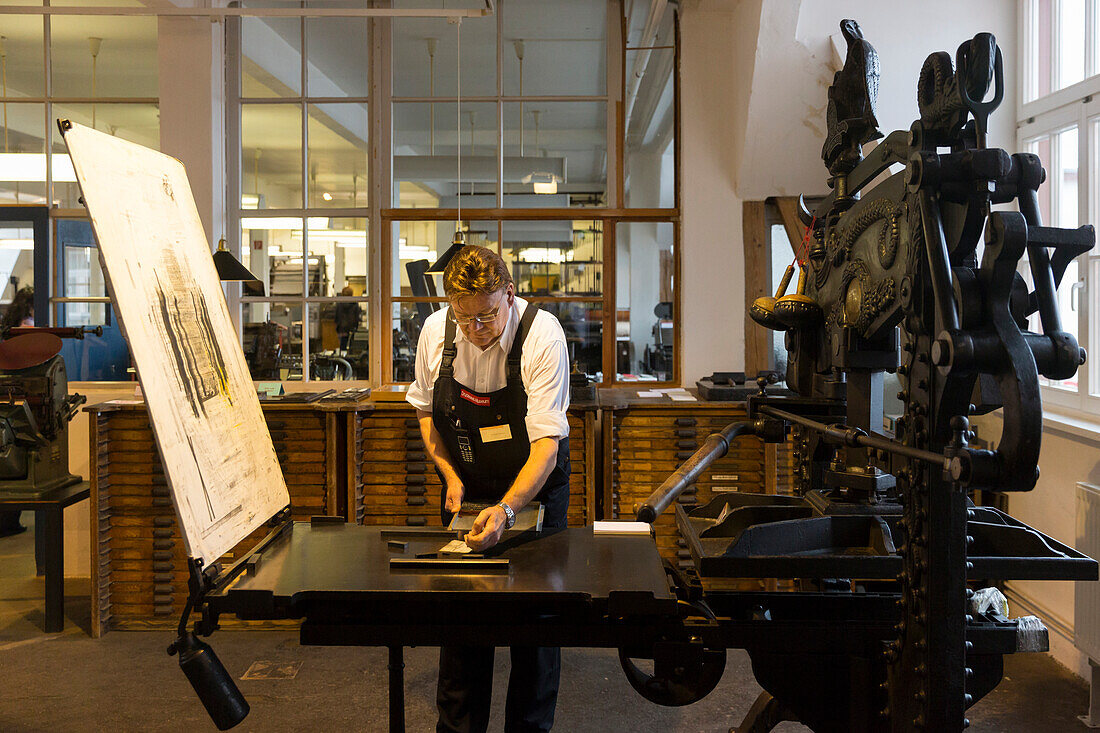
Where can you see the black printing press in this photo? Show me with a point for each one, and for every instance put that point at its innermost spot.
(875, 624)
(35, 410)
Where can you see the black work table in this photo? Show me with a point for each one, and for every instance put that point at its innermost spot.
(569, 588)
(49, 508)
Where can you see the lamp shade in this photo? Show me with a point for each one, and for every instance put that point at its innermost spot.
(230, 268)
(457, 244)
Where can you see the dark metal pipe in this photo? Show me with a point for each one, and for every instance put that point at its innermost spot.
(851, 436)
(714, 447)
(1039, 261)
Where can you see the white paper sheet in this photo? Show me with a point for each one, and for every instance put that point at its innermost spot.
(218, 456)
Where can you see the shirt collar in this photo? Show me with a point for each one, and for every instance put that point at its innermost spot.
(510, 328)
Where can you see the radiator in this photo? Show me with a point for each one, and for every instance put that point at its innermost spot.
(1086, 596)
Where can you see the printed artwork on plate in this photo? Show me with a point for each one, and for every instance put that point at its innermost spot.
(218, 456)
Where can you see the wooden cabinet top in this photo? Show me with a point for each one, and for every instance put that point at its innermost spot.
(623, 398)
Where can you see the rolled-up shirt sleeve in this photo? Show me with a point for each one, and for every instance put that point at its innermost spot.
(545, 372)
(429, 352)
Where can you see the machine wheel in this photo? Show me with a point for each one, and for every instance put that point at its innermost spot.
(684, 672)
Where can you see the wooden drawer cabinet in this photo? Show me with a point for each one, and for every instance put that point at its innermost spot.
(395, 481)
(648, 439)
(139, 567)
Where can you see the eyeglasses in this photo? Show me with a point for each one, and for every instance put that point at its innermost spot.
(482, 319)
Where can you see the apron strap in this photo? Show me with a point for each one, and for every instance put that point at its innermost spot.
(450, 351)
(516, 352)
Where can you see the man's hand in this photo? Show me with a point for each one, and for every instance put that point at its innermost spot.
(455, 492)
(487, 529)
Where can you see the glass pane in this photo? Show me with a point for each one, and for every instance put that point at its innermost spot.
(425, 53)
(21, 58)
(555, 154)
(78, 255)
(272, 340)
(271, 156)
(555, 257)
(645, 323)
(274, 254)
(407, 321)
(138, 123)
(17, 272)
(337, 57)
(563, 44)
(425, 160)
(1066, 174)
(98, 56)
(1042, 57)
(583, 326)
(340, 350)
(649, 149)
(418, 244)
(271, 57)
(23, 160)
(338, 246)
(1071, 42)
(338, 136)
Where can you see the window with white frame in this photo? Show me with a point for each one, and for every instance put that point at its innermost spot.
(1058, 120)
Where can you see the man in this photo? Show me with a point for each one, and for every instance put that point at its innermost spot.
(491, 393)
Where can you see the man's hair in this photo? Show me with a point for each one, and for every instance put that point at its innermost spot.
(473, 271)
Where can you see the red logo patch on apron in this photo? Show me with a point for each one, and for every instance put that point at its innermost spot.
(476, 399)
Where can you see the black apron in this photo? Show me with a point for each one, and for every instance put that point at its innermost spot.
(486, 434)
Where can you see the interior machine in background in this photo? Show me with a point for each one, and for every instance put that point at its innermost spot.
(659, 356)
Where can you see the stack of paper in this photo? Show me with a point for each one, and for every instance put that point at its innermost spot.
(628, 528)
(676, 394)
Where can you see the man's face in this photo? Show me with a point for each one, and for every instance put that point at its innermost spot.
(482, 317)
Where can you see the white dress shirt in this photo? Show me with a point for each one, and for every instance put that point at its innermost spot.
(543, 366)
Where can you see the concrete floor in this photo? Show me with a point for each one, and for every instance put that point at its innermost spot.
(125, 681)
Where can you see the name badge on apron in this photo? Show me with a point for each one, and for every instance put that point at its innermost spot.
(496, 432)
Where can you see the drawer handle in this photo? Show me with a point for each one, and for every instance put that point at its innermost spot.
(416, 480)
(686, 422)
(412, 434)
(686, 433)
(415, 455)
(415, 490)
(163, 544)
(162, 556)
(684, 455)
(411, 422)
(275, 424)
(416, 501)
(164, 521)
(162, 566)
(416, 468)
(416, 521)
(687, 444)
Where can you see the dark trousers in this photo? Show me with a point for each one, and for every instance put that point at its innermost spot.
(466, 689)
